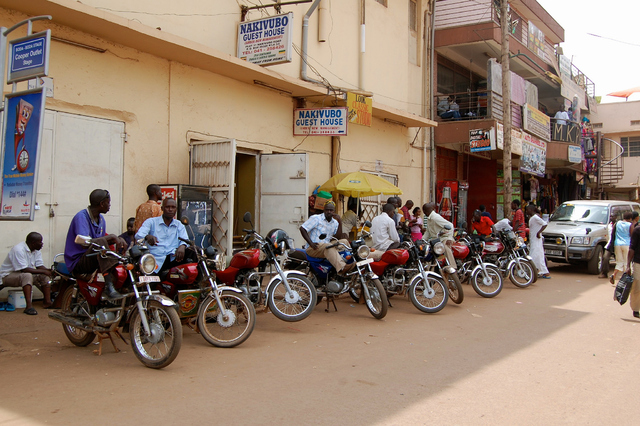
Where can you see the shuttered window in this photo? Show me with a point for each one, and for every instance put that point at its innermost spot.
(631, 146)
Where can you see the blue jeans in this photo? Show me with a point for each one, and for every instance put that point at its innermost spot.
(450, 114)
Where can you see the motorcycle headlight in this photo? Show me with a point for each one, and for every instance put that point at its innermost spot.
(520, 241)
(449, 269)
(438, 248)
(581, 240)
(147, 263)
(363, 251)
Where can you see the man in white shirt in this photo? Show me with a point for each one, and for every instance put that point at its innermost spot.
(561, 116)
(23, 267)
(383, 230)
(434, 225)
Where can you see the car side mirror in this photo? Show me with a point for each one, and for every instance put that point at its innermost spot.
(588, 231)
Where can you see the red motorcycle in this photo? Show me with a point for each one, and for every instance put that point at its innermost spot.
(503, 251)
(485, 278)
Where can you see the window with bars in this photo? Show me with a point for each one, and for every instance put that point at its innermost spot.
(596, 125)
(413, 15)
(635, 122)
(631, 146)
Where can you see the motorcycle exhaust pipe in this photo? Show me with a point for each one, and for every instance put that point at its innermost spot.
(75, 322)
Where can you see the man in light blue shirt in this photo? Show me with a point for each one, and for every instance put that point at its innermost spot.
(162, 233)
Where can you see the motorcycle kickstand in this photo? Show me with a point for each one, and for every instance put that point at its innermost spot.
(103, 336)
(331, 298)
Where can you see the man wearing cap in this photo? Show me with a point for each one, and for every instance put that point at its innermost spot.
(317, 232)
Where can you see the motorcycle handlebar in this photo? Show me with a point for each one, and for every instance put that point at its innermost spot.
(191, 243)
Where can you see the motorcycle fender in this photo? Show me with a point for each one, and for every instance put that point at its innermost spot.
(286, 274)
(478, 268)
(513, 261)
(163, 300)
(428, 273)
(226, 287)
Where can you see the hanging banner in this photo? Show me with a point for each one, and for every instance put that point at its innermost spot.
(360, 109)
(574, 153)
(481, 140)
(23, 122)
(534, 155)
(266, 41)
(536, 122)
(320, 121)
(516, 139)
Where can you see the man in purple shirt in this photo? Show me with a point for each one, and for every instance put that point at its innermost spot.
(90, 222)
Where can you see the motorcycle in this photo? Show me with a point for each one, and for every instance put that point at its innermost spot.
(502, 252)
(401, 271)
(485, 278)
(331, 285)
(436, 260)
(222, 314)
(289, 295)
(151, 319)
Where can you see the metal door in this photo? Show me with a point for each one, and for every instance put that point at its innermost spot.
(284, 193)
(213, 164)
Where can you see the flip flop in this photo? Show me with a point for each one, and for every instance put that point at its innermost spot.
(30, 311)
(9, 307)
(546, 277)
(2, 306)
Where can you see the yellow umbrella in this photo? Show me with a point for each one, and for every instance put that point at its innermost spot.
(359, 184)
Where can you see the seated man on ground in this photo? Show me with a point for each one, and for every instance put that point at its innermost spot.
(162, 233)
(317, 232)
(383, 230)
(90, 222)
(23, 267)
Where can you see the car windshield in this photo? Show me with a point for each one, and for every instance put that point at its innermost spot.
(581, 213)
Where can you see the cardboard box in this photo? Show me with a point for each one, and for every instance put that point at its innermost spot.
(16, 298)
(320, 202)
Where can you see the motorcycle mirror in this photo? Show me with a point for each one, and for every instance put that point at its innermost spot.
(247, 217)
(447, 227)
(322, 236)
(184, 220)
(367, 224)
(83, 240)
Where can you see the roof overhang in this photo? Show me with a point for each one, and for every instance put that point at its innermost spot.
(116, 29)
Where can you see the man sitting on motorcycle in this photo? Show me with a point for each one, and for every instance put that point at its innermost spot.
(383, 230)
(162, 233)
(90, 222)
(436, 227)
(317, 232)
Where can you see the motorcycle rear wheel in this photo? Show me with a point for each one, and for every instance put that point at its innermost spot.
(305, 298)
(376, 299)
(521, 274)
(229, 332)
(163, 346)
(75, 335)
(455, 288)
(484, 290)
(422, 301)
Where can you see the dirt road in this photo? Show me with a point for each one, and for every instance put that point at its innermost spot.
(561, 351)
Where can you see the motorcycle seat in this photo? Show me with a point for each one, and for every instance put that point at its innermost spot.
(61, 268)
(297, 254)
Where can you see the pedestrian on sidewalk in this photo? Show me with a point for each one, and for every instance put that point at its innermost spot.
(633, 267)
(621, 245)
(536, 226)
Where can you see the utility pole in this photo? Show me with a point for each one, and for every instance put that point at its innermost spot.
(506, 107)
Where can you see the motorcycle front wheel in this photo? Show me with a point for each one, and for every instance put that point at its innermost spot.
(455, 288)
(294, 306)
(78, 307)
(521, 274)
(376, 299)
(160, 348)
(489, 286)
(230, 330)
(428, 301)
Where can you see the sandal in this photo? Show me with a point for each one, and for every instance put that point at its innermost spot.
(9, 307)
(2, 306)
(30, 311)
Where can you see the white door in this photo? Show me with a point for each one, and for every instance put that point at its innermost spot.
(213, 164)
(284, 193)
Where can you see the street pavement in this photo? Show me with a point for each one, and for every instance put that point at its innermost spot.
(560, 352)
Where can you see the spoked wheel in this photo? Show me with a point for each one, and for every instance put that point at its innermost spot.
(226, 331)
(429, 298)
(160, 348)
(376, 299)
(295, 305)
(79, 308)
(489, 285)
(521, 274)
(455, 288)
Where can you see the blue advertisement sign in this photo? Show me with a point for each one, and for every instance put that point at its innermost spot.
(23, 121)
(29, 57)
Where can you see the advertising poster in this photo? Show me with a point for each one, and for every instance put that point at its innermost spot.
(481, 140)
(320, 121)
(266, 41)
(536, 122)
(23, 121)
(534, 156)
(447, 196)
(360, 109)
(516, 139)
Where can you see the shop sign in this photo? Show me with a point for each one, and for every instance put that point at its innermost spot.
(29, 57)
(516, 139)
(536, 122)
(482, 154)
(266, 41)
(320, 121)
(565, 65)
(23, 122)
(575, 153)
(360, 109)
(566, 132)
(169, 191)
(534, 155)
(481, 140)
(535, 42)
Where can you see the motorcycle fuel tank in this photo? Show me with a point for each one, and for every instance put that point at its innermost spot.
(183, 274)
(493, 247)
(246, 259)
(460, 251)
(395, 256)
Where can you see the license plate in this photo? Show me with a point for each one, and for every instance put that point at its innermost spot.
(554, 252)
(149, 279)
(364, 262)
